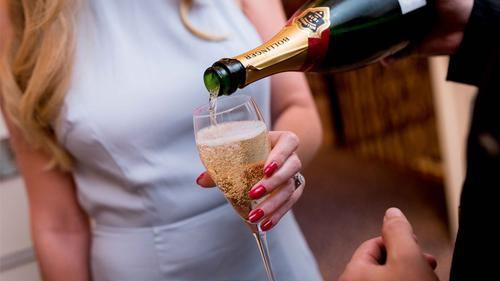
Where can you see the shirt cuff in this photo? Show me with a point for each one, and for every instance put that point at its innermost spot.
(480, 44)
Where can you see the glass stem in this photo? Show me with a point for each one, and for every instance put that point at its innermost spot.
(261, 239)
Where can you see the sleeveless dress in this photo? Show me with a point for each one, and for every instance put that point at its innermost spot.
(127, 120)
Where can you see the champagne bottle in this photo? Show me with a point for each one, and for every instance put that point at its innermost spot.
(326, 35)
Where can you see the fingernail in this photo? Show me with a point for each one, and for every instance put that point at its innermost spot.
(255, 215)
(257, 192)
(393, 212)
(199, 178)
(270, 169)
(266, 225)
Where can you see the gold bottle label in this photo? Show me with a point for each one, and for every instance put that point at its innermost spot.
(289, 49)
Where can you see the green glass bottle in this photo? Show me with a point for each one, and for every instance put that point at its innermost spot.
(327, 35)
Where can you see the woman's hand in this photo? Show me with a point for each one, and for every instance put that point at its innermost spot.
(394, 256)
(281, 166)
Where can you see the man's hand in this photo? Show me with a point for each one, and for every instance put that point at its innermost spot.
(447, 34)
(395, 256)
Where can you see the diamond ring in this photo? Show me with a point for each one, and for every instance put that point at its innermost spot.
(298, 180)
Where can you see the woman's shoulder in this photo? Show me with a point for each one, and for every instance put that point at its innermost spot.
(267, 16)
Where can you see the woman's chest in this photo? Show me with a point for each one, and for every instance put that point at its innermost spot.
(138, 75)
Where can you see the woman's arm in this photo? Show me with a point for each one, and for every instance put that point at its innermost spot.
(293, 107)
(60, 229)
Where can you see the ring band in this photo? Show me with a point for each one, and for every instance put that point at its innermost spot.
(298, 180)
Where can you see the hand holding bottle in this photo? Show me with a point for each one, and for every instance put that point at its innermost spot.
(448, 31)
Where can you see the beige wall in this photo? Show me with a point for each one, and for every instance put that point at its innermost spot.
(28, 272)
(3, 130)
(453, 109)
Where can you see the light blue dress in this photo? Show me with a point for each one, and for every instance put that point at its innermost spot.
(127, 120)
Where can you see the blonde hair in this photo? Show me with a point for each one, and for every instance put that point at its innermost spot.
(34, 70)
(36, 65)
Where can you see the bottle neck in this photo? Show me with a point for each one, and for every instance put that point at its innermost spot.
(287, 51)
(296, 47)
(224, 77)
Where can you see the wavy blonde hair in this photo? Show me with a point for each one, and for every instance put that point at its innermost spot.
(36, 65)
(34, 70)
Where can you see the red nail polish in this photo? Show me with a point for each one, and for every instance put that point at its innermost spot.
(257, 192)
(266, 225)
(199, 178)
(270, 169)
(255, 215)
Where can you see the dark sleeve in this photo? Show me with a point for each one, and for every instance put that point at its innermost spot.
(480, 44)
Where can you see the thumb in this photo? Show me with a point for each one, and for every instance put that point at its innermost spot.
(205, 180)
(398, 236)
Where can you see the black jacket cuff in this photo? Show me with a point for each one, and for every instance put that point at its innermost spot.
(480, 44)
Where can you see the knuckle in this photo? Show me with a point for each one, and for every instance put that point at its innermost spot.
(286, 207)
(275, 182)
(296, 162)
(282, 155)
(406, 256)
(276, 217)
(293, 138)
(292, 200)
(297, 193)
(268, 206)
(290, 188)
(393, 225)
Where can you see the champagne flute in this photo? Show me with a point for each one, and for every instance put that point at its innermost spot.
(233, 145)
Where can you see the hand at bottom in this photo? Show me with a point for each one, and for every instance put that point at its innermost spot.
(394, 256)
